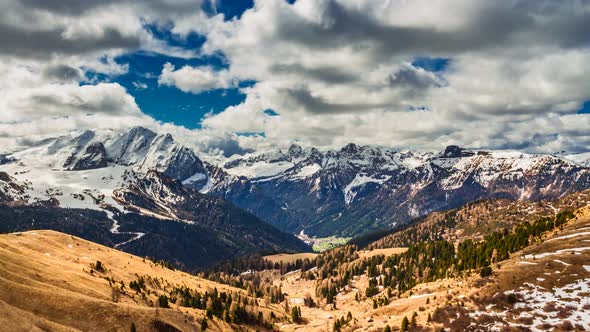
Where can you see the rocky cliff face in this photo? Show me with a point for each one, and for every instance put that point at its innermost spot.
(94, 156)
(10, 190)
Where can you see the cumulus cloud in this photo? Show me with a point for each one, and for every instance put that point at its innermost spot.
(44, 29)
(50, 47)
(38, 101)
(411, 77)
(338, 71)
(140, 85)
(70, 100)
(63, 72)
(335, 71)
(195, 79)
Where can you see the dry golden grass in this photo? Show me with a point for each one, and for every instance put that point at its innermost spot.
(455, 291)
(46, 285)
(561, 267)
(290, 258)
(386, 252)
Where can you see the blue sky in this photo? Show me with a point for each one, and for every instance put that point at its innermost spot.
(168, 103)
(171, 105)
(585, 108)
(431, 64)
(229, 8)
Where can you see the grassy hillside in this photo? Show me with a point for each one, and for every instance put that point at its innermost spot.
(53, 281)
(189, 246)
(506, 266)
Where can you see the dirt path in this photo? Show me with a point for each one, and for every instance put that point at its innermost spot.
(115, 230)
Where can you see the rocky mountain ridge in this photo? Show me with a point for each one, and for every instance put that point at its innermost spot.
(361, 188)
(125, 191)
(345, 192)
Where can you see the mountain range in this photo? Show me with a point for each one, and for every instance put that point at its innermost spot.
(359, 189)
(456, 239)
(255, 201)
(122, 190)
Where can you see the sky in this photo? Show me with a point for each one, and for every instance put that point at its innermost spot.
(229, 77)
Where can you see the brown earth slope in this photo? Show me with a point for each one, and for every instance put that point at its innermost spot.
(47, 284)
(545, 287)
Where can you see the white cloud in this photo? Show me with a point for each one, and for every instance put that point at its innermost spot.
(195, 79)
(336, 71)
(35, 103)
(139, 85)
(340, 71)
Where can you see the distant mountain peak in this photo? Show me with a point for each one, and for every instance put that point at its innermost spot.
(295, 151)
(350, 148)
(344, 191)
(455, 151)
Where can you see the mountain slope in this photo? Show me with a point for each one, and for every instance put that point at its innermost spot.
(495, 265)
(201, 230)
(118, 190)
(52, 281)
(474, 221)
(361, 188)
(346, 192)
(197, 220)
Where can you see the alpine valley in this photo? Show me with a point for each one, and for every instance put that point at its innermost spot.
(147, 194)
(102, 221)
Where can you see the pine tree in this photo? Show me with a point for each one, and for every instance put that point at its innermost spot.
(387, 328)
(99, 267)
(163, 301)
(337, 325)
(296, 314)
(414, 315)
(204, 324)
(405, 323)
(133, 328)
(226, 316)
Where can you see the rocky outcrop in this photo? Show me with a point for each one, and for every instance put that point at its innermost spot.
(454, 151)
(95, 156)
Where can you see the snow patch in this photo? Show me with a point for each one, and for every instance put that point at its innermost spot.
(307, 171)
(359, 181)
(557, 252)
(527, 263)
(562, 262)
(421, 296)
(195, 178)
(569, 236)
